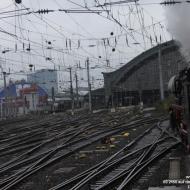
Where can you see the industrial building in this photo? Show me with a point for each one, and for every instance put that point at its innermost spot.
(139, 79)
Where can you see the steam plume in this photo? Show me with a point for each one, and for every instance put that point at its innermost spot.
(178, 23)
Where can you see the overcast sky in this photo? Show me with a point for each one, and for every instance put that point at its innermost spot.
(59, 40)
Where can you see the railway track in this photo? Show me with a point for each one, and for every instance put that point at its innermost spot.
(118, 171)
(30, 156)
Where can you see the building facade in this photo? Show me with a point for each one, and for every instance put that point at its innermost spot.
(46, 78)
(21, 98)
(139, 79)
(50, 79)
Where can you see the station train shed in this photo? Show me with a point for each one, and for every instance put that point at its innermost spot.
(138, 80)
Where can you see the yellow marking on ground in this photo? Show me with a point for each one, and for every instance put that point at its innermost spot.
(112, 146)
(82, 156)
(112, 139)
(126, 134)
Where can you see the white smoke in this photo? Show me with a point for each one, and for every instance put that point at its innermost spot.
(178, 23)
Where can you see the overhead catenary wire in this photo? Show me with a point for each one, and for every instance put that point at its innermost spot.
(13, 11)
(16, 37)
(113, 19)
(86, 39)
(89, 54)
(40, 44)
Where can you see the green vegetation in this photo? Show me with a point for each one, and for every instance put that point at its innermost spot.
(163, 106)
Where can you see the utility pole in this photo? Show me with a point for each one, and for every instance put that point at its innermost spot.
(85, 4)
(71, 91)
(23, 100)
(77, 89)
(53, 99)
(5, 91)
(1, 108)
(160, 72)
(89, 86)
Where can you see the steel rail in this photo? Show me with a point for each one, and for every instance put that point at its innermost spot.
(42, 144)
(54, 160)
(48, 154)
(123, 173)
(109, 159)
(140, 160)
(93, 173)
(18, 179)
(29, 152)
(107, 167)
(120, 126)
(126, 182)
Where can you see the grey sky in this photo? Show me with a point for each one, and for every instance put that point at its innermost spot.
(74, 37)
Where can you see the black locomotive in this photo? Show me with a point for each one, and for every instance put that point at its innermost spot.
(179, 85)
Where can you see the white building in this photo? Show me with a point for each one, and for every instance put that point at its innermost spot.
(50, 79)
(60, 80)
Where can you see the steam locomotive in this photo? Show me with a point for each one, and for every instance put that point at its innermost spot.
(179, 85)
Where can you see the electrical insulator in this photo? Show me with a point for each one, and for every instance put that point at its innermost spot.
(170, 2)
(18, 1)
(44, 11)
(30, 67)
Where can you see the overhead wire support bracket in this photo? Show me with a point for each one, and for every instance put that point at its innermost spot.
(82, 11)
(118, 2)
(47, 11)
(5, 12)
